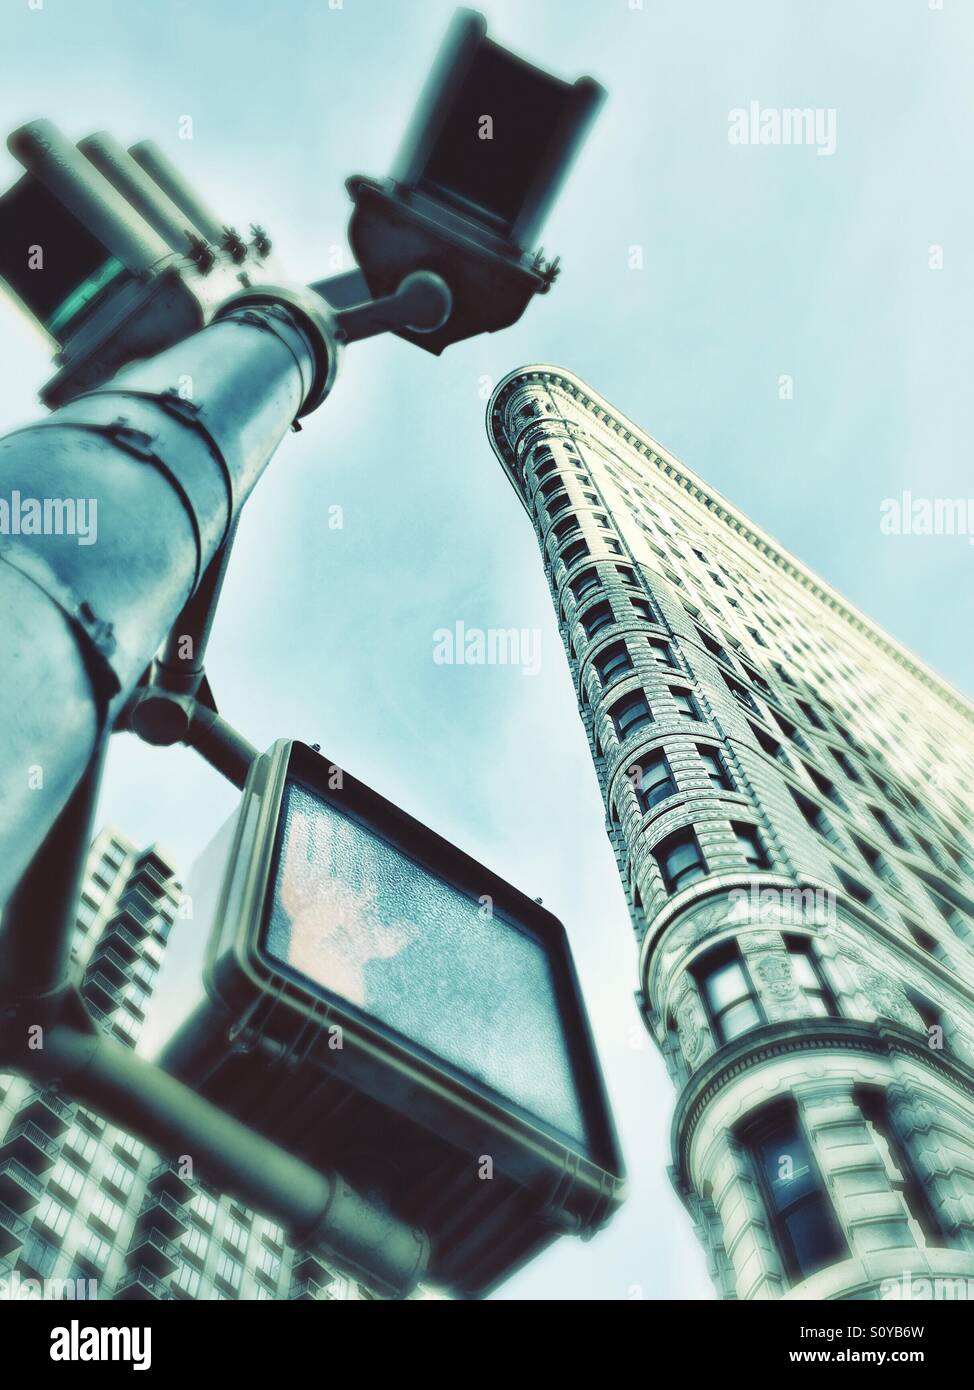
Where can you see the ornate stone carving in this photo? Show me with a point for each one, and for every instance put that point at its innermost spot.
(775, 973)
(692, 1025)
(697, 925)
(885, 994)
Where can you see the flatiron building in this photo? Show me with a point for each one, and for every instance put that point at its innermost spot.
(788, 795)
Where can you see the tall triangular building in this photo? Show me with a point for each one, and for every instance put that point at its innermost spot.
(788, 794)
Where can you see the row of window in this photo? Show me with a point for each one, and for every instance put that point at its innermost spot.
(731, 1001)
(681, 861)
(632, 712)
(786, 621)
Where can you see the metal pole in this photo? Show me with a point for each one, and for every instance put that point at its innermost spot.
(220, 744)
(159, 461)
(318, 1210)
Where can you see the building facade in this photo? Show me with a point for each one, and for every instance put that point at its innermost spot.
(788, 794)
(87, 1211)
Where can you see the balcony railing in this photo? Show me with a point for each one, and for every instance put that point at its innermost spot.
(100, 990)
(163, 1212)
(28, 1142)
(13, 1229)
(151, 1250)
(141, 1285)
(110, 963)
(19, 1189)
(47, 1110)
(166, 1178)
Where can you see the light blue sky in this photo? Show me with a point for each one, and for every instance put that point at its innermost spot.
(758, 262)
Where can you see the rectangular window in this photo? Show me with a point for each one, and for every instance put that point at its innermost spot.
(662, 652)
(810, 714)
(613, 662)
(713, 646)
(627, 575)
(887, 827)
(52, 1216)
(749, 843)
(742, 695)
(194, 1244)
(229, 1270)
(586, 583)
(728, 993)
(809, 977)
(565, 528)
(876, 861)
(119, 1176)
(926, 942)
(81, 1144)
(791, 733)
(858, 890)
(826, 787)
(653, 781)
(105, 1212)
(716, 770)
(801, 1216)
(846, 764)
(95, 1250)
(770, 745)
(817, 819)
(204, 1208)
(187, 1280)
(39, 1254)
(235, 1235)
(680, 860)
(67, 1179)
(642, 610)
(630, 714)
(686, 705)
(558, 503)
(573, 552)
(596, 619)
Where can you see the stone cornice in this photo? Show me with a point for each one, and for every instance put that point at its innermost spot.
(760, 1046)
(766, 545)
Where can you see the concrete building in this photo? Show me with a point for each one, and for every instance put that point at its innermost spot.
(788, 795)
(86, 1211)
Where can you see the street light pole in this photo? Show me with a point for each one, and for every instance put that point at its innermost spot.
(169, 452)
